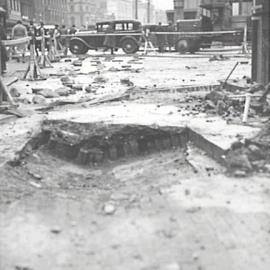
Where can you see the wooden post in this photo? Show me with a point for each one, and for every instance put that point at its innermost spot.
(230, 74)
(245, 43)
(148, 11)
(247, 106)
(5, 95)
(136, 9)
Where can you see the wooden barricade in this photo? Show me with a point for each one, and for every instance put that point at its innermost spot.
(33, 72)
(43, 59)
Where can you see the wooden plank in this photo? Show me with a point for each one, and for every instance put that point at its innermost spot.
(15, 42)
(5, 91)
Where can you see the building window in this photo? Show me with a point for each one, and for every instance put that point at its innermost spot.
(72, 20)
(236, 9)
(242, 9)
(246, 9)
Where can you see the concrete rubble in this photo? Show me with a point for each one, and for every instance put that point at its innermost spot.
(133, 162)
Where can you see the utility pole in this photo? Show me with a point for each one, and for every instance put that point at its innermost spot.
(148, 11)
(136, 9)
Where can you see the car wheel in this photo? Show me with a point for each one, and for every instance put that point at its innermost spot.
(129, 46)
(182, 46)
(77, 47)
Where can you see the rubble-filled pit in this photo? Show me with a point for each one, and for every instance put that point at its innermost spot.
(64, 153)
(96, 143)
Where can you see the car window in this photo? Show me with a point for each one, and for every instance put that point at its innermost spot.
(130, 26)
(124, 27)
(119, 27)
(102, 27)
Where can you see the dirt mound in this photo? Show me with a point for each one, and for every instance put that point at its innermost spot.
(251, 155)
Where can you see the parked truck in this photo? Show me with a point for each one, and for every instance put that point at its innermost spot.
(191, 35)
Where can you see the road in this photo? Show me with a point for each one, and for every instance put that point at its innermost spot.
(169, 209)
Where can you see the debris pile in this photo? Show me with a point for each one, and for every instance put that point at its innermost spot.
(229, 103)
(250, 155)
(219, 57)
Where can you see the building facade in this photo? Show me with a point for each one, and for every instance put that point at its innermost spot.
(17, 10)
(186, 9)
(241, 13)
(51, 11)
(83, 13)
(225, 14)
(219, 11)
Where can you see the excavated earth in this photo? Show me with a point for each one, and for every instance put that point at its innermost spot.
(97, 196)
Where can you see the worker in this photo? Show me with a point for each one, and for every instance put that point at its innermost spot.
(73, 30)
(110, 40)
(64, 39)
(170, 37)
(4, 57)
(57, 37)
(20, 31)
(41, 33)
(160, 38)
(32, 32)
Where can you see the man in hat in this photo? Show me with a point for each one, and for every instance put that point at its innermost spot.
(20, 31)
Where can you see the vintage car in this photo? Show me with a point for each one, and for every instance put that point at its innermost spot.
(128, 35)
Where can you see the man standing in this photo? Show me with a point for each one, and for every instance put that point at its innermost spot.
(20, 31)
(32, 32)
(110, 40)
(73, 30)
(170, 37)
(160, 38)
(57, 37)
(64, 39)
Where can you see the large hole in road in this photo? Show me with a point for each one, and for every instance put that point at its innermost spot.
(93, 144)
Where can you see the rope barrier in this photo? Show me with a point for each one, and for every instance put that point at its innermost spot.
(206, 33)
